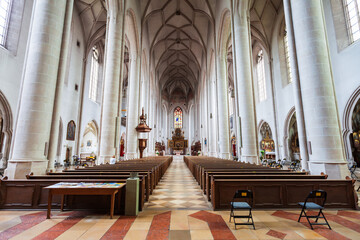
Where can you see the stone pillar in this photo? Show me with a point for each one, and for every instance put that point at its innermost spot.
(212, 118)
(36, 104)
(133, 105)
(54, 133)
(112, 81)
(244, 83)
(326, 151)
(223, 113)
(296, 87)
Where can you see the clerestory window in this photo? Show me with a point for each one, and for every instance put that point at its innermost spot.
(94, 74)
(261, 76)
(5, 9)
(352, 13)
(287, 58)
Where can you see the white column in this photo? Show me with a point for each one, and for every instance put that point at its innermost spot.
(296, 87)
(36, 104)
(212, 118)
(112, 79)
(318, 96)
(244, 84)
(54, 133)
(223, 113)
(133, 105)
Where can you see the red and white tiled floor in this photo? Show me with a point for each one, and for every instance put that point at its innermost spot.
(178, 190)
(166, 218)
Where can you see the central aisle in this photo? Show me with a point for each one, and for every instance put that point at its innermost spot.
(177, 190)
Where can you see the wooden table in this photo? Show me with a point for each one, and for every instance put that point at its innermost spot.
(63, 189)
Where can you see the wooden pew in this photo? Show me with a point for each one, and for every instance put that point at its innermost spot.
(30, 194)
(142, 187)
(258, 176)
(207, 184)
(148, 185)
(284, 193)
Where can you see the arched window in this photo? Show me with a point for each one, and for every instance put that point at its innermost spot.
(287, 57)
(5, 9)
(261, 76)
(94, 74)
(352, 12)
(178, 117)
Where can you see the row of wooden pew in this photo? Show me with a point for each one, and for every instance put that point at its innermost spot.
(29, 193)
(272, 188)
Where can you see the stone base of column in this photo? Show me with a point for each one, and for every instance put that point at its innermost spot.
(131, 156)
(333, 170)
(225, 155)
(249, 159)
(104, 159)
(212, 154)
(17, 169)
(3, 162)
(151, 154)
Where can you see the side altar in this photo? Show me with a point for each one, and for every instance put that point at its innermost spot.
(178, 143)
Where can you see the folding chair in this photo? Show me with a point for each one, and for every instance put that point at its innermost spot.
(307, 205)
(239, 205)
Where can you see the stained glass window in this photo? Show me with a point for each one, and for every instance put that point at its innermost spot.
(178, 117)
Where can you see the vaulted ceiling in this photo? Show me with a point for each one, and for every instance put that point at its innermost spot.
(262, 16)
(178, 35)
(93, 16)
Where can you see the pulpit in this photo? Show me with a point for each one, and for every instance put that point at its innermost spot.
(178, 143)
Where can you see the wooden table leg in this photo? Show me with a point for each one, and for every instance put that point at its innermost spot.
(49, 204)
(112, 205)
(62, 202)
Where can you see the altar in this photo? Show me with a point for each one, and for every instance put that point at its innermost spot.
(178, 143)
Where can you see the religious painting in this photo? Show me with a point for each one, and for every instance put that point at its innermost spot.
(88, 144)
(178, 117)
(70, 134)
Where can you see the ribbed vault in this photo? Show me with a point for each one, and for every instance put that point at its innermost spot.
(178, 35)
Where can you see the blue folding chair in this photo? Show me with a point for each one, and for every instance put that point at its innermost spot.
(320, 195)
(242, 205)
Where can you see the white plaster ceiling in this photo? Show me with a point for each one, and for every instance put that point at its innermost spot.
(262, 16)
(178, 35)
(93, 17)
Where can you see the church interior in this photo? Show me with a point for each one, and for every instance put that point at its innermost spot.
(180, 116)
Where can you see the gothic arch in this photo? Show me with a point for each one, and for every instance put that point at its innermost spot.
(286, 132)
(7, 119)
(347, 127)
(224, 33)
(91, 133)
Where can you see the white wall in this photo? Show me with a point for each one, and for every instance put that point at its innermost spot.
(11, 66)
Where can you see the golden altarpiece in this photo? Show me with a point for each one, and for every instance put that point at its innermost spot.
(178, 143)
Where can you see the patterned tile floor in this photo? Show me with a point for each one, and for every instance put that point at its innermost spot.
(177, 190)
(176, 211)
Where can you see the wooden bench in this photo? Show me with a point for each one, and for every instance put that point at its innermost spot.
(258, 176)
(207, 184)
(30, 194)
(147, 174)
(142, 186)
(284, 193)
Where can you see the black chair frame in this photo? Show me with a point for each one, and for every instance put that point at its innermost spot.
(316, 194)
(242, 194)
